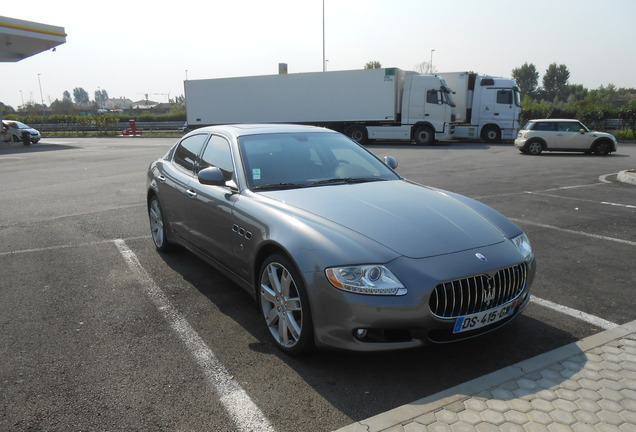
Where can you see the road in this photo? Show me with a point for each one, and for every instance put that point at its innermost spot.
(100, 332)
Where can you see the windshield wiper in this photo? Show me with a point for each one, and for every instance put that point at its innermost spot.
(347, 180)
(279, 186)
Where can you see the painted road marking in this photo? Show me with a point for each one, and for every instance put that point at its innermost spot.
(245, 414)
(594, 320)
(581, 199)
(569, 231)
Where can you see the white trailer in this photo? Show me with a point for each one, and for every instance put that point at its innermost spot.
(387, 104)
(486, 107)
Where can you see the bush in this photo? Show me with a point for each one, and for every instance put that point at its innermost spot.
(624, 135)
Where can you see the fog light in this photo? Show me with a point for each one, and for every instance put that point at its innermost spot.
(361, 333)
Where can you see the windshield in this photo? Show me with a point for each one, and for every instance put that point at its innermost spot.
(446, 94)
(293, 160)
(517, 96)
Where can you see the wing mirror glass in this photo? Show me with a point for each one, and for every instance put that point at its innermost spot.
(391, 162)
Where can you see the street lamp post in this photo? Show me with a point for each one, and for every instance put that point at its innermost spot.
(41, 97)
(40, 84)
(324, 62)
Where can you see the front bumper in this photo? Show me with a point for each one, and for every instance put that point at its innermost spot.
(375, 323)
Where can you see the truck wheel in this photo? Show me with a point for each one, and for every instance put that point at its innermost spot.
(424, 135)
(491, 134)
(358, 134)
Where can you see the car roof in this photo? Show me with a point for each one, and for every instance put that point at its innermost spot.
(237, 130)
(553, 120)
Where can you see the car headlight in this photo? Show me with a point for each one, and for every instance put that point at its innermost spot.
(366, 279)
(523, 244)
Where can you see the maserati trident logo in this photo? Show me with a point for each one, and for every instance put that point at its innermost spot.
(488, 292)
(480, 257)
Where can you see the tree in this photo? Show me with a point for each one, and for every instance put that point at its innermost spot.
(64, 106)
(373, 65)
(527, 78)
(101, 96)
(66, 96)
(425, 68)
(555, 81)
(80, 95)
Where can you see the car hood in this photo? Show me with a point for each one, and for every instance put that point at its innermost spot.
(412, 220)
(604, 134)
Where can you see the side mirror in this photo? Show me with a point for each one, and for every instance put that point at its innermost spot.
(391, 162)
(211, 176)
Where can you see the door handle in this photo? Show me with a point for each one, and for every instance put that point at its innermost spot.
(191, 194)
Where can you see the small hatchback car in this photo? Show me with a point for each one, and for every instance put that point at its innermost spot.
(13, 130)
(563, 135)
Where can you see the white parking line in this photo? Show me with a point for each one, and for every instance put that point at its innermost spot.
(245, 414)
(561, 197)
(569, 231)
(594, 320)
(619, 205)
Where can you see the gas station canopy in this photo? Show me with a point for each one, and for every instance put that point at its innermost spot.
(21, 39)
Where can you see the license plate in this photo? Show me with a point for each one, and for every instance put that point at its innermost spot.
(481, 319)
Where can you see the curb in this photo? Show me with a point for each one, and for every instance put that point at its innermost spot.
(408, 412)
(627, 177)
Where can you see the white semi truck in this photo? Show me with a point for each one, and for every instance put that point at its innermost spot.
(369, 104)
(486, 107)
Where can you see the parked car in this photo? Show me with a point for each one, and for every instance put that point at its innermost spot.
(13, 130)
(336, 247)
(563, 135)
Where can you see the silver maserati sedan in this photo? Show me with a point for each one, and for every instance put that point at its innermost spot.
(337, 249)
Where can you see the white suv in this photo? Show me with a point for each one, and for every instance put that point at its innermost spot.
(563, 135)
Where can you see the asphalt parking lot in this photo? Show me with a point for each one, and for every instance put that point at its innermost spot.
(99, 332)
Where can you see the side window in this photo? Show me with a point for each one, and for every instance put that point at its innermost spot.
(544, 126)
(504, 97)
(217, 153)
(431, 97)
(187, 152)
(569, 127)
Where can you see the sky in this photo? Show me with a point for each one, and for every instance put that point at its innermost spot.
(140, 47)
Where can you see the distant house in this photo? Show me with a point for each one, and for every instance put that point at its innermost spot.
(118, 104)
(85, 106)
(162, 108)
(144, 104)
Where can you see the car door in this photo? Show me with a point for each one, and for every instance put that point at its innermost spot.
(174, 179)
(569, 136)
(210, 207)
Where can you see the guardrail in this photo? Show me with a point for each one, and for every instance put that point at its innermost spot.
(147, 127)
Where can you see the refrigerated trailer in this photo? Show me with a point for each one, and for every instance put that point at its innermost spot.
(486, 107)
(369, 104)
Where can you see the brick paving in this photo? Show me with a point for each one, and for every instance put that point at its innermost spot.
(586, 386)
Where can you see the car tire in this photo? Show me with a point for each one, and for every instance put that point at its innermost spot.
(284, 305)
(424, 135)
(158, 226)
(534, 148)
(602, 148)
(491, 134)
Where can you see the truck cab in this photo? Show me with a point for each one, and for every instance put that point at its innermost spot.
(487, 107)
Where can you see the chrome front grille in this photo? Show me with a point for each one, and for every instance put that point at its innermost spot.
(478, 293)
